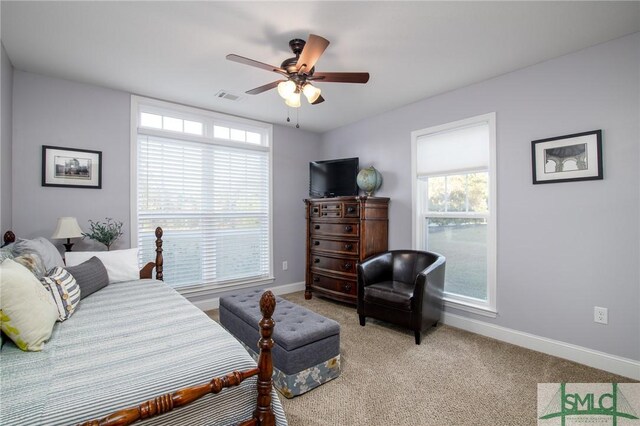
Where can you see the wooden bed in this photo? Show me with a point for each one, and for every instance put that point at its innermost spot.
(263, 415)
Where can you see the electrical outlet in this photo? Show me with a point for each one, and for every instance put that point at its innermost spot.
(600, 315)
(285, 265)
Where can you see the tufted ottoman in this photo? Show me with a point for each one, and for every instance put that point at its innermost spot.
(306, 352)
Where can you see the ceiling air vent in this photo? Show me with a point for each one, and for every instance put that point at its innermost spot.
(224, 94)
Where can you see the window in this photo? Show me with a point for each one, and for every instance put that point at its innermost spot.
(454, 207)
(205, 178)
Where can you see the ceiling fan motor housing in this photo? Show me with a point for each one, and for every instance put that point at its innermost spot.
(290, 64)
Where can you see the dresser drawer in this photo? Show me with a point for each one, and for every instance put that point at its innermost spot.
(341, 265)
(314, 210)
(337, 246)
(334, 284)
(337, 229)
(336, 210)
(351, 210)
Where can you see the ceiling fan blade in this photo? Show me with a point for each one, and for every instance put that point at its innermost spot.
(318, 101)
(247, 61)
(340, 77)
(313, 49)
(264, 88)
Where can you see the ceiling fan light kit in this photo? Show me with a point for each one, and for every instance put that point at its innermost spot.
(293, 100)
(299, 72)
(311, 92)
(286, 88)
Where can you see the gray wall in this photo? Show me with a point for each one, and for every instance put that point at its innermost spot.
(51, 111)
(6, 120)
(562, 248)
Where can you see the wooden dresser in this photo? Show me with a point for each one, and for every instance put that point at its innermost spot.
(342, 231)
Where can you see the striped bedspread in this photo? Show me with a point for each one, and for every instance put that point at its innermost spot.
(125, 344)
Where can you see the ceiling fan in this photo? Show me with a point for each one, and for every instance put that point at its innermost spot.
(299, 72)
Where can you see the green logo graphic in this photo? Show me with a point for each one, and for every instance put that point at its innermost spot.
(614, 405)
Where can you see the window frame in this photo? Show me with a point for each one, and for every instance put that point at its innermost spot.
(208, 118)
(458, 301)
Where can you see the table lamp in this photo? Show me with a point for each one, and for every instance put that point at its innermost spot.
(67, 228)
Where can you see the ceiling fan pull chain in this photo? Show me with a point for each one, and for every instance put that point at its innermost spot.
(297, 118)
(288, 119)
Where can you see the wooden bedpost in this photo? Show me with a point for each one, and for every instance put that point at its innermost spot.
(9, 237)
(159, 259)
(263, 412)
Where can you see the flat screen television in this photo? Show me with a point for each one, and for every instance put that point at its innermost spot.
(333, 178)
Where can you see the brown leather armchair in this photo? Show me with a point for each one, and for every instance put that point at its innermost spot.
(403, 287)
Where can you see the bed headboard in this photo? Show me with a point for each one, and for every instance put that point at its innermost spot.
(146, 272)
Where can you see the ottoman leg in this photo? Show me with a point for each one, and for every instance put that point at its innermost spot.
(362, 320)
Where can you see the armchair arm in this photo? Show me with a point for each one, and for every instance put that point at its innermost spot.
(371, 270)
(429, 284)
(375, 269)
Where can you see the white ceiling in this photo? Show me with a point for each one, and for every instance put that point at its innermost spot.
(176, 50)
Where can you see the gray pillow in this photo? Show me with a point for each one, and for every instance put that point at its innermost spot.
(43, 248)
(91, 276)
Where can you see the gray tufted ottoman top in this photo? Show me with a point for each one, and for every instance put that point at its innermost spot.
(295, 326)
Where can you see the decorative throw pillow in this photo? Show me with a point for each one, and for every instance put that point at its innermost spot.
(42, 247)
(33, 263)
(90, 276)
(122, 265)
(64, 289)
(27, 311)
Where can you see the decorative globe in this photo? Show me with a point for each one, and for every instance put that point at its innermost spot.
(369, 180)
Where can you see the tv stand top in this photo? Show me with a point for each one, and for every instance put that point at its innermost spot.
(346, 198)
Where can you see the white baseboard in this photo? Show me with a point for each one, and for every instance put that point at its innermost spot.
(214, 301)
(601, 360)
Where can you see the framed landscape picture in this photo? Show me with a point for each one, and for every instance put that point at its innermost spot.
(567, 158)
(70, 167)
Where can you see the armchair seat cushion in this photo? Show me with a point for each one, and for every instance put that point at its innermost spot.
(394, 294)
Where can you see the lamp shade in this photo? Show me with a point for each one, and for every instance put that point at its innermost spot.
(294, 100)
(286, 88)
(67, 228)
(311, 92)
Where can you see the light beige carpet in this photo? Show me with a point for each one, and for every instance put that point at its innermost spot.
(453, 378)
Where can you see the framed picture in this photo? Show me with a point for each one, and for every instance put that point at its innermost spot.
(72, 168)
(567, 158)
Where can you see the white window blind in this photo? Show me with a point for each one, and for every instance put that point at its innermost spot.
(452, 151)
(212, 201)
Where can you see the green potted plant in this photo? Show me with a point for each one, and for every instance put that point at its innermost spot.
(106, 232)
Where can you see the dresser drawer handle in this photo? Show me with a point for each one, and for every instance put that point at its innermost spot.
(316, 243)
(316, 227)
(316, 279)
(347, 287)
(347, 266)
(348, 228)
(324, 213)
(316, 260)
(315, 210)
(348, 246)
(351, 209)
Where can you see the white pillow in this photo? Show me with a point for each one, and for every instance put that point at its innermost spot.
(28, 311)
(121, 265)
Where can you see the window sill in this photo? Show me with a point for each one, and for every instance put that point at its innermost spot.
(470, 307)
(215, 289)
